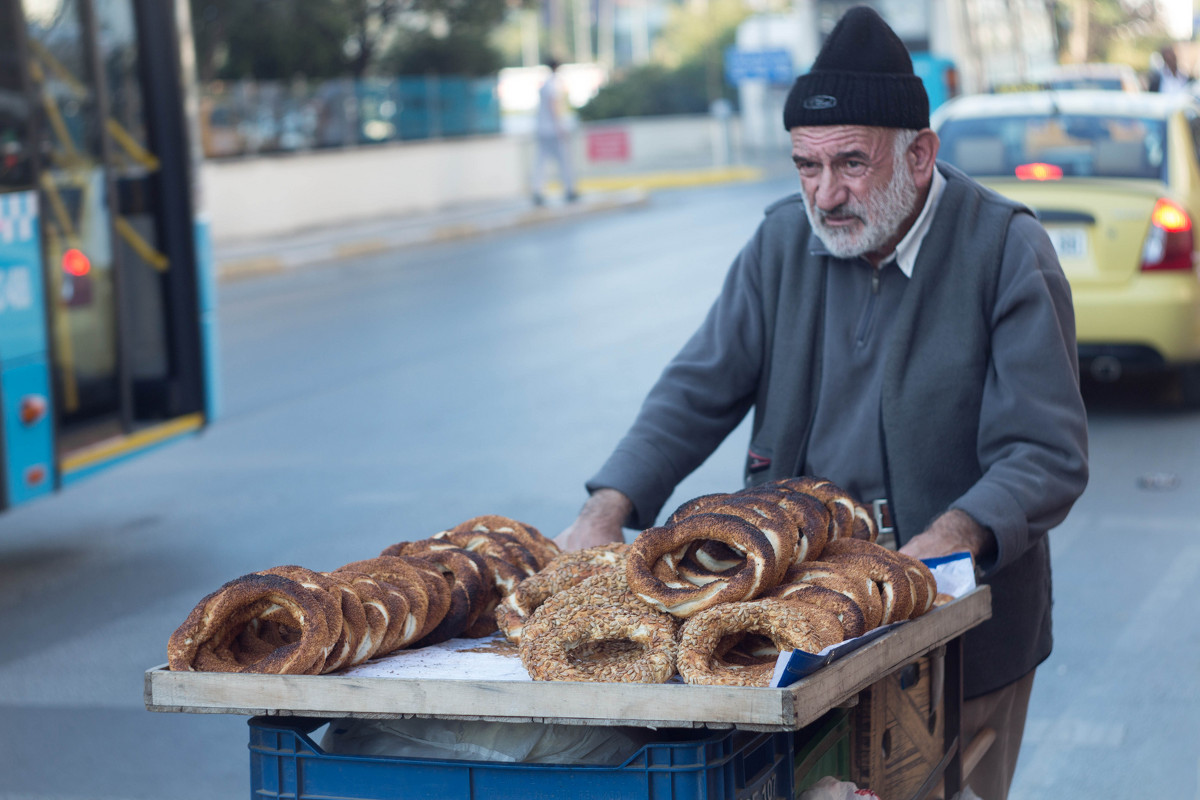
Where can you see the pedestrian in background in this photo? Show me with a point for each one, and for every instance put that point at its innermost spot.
(553, 137)
(1167, 77)
(905, 332)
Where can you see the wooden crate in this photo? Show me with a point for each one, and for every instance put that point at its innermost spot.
(898, 728)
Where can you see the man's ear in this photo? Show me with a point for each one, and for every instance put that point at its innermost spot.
(921, 155)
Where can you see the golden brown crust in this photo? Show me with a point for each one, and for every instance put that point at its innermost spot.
(470, 591)
(485, 624)
(378, 608)
(326, 593)
(548, 656)
(849, 518)
(697, 505)
(598, 655)
(519, 563)
(684, 599)
(809, 514)
(506, 574)
(204, 641)
(437, 590)
(699, 563)
(627, 655)
(851, 617)
(715, 557)
(607, 587)
(790, 626)
(743, 649)
(888, 575)
(922, 584)
(604, 554)
(862, 590)
(504, 577)
(400, 574)
(354, 623)
(515, 608)
(543, 549)
(774, 523)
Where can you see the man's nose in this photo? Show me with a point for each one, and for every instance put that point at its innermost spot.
(830, 193)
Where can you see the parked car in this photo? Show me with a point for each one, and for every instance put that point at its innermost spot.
(1115, 179)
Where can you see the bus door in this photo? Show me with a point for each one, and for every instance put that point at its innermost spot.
(26, 428)
(109, 179)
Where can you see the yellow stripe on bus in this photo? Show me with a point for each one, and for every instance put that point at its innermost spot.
(140, 246)
(104, 451)
(131, 146)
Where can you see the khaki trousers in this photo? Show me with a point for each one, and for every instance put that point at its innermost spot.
(1004, 712)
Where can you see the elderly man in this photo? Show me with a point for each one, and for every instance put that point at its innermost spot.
(903, 331)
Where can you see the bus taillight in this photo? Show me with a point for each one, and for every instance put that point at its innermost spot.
(74, 262)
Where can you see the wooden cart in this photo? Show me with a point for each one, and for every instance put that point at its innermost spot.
(869, 670)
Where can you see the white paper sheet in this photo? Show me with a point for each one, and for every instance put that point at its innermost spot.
(492, 658)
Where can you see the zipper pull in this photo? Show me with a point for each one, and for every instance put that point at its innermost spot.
(875, 280)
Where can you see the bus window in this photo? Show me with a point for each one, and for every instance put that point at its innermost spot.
(78, 250)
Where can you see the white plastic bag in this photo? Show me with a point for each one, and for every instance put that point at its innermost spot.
(439, 739)
(830, 788)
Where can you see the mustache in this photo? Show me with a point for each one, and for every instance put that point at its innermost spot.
(842, 212)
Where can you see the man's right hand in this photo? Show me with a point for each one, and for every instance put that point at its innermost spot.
(599, 522)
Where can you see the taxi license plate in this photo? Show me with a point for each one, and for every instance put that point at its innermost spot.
(1069, 242)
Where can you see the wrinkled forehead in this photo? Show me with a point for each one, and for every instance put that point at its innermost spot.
(826, 141)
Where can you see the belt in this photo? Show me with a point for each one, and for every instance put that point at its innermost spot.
(883, 516)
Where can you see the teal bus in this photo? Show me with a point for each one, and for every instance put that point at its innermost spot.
(107, 306)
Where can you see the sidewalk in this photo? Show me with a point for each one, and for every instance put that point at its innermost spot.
(276, 254)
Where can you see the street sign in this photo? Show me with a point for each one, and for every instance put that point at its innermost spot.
(608, 144)
(772, 66)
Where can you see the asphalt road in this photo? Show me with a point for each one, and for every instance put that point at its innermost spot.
(387, 397)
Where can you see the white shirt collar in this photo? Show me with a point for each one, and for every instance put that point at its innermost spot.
(906, 251)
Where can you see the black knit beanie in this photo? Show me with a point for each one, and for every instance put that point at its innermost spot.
(862, 76)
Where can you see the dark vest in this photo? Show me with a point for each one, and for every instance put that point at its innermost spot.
(931, 397)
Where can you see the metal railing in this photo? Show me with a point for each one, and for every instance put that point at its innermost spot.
(252, 117)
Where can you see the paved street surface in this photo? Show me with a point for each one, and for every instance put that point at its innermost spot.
(387, 396)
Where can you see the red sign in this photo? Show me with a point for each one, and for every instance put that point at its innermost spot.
(608, 144)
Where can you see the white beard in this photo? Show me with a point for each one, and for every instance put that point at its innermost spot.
(881, 216)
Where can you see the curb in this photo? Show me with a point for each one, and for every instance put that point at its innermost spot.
(383, 238)
(677, 179)
(598, 194)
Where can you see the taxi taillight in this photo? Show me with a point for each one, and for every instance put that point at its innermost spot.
(1168, 245)
(1038, 171)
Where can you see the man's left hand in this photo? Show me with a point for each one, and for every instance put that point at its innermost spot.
(952, 532)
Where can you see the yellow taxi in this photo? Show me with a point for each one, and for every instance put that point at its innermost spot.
(1115, 179)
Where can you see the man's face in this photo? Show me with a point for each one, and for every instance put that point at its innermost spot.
(858, 196)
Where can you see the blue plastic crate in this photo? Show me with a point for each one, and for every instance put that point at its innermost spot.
(728, 765)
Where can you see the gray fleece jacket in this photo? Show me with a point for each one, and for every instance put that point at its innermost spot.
(980, 407)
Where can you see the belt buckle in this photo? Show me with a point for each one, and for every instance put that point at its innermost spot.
(883, 516)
